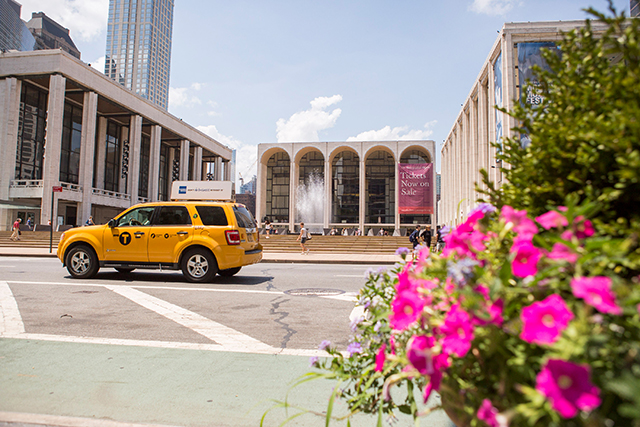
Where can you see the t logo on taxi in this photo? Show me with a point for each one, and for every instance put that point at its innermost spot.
(182, 189)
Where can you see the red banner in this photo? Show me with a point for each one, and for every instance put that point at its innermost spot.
(415, 188)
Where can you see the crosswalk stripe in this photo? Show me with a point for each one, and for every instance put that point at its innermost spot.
(10, 318)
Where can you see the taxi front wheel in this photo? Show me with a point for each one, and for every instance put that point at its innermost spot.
(199, 265)
(82, 262)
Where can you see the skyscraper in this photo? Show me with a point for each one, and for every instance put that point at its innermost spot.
(138, 53)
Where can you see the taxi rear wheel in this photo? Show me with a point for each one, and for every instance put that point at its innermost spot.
(199, 265)
(82, 262)
(229, 272)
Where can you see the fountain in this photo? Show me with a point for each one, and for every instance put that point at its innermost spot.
(310, 202)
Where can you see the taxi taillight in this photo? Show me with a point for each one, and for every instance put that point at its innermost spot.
(232, 236)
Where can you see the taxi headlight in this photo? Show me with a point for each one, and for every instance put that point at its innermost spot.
(62, 237)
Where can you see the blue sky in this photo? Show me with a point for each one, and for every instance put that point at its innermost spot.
(253, 71)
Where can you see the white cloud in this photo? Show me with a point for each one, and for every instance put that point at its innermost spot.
(86, 19)
(492, 7)
(246, 154)
(184, 96)
(98, 64)
(305, 125)
(400, 133)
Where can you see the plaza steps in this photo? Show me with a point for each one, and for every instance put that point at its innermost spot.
(29, 239)
(275, 243)
(336, 244)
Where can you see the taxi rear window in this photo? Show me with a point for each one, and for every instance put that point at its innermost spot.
(212, 215)
(244, 217)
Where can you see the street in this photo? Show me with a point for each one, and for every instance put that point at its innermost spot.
(150, 347)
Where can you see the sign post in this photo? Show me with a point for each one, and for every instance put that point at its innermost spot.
(55, 189)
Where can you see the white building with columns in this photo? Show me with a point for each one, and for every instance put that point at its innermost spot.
(352, 185)
(467, 148)
(64, 124)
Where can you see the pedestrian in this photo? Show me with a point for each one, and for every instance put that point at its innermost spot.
(30, 223)
(90, 221)
(303, 237)
(414, 237)
(267, 228)
(15, 235)
(426, 236)
(439, 239)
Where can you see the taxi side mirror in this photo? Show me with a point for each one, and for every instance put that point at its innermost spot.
(111, 223)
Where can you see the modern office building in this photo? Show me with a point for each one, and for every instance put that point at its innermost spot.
(634, 9)
(51, 35)
(65, 125)
(138, 53)
(14, 34)
(502, 77)
(356, 185)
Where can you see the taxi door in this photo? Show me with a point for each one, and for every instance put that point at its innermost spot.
(171, 231)
(127, 241)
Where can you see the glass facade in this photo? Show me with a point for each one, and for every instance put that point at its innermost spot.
(14, 34)
(345, 188)
(163, 184)
(112, 160)
(143, 180)
(277, 188)
(31, 132)
(311, 163)
(138, 52)
(71, 141)
(380, 171)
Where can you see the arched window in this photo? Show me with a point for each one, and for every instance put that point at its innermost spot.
(381, 187)
(277, 191)
(345, 188)
(310, 197)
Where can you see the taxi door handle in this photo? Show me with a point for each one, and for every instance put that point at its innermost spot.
(138, 234)
(182, 233)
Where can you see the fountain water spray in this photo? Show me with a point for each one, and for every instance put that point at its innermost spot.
(310, 202)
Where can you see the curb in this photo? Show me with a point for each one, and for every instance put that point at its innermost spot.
(24, 420)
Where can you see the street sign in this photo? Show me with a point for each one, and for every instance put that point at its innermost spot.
(57, 189)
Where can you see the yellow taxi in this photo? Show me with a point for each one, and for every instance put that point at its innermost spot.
(199, 238)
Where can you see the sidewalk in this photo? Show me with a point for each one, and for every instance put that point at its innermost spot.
(285, 257)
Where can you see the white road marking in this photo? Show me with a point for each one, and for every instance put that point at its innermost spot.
(10, 318)
(7, 266)
(356, 313)
(361, 276)
(230, 339)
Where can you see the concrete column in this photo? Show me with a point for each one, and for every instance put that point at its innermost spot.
(261, 189)
(154, 162)
(483, 124)
(87, 152)
(293, 185)
(184, 160)
(217, 172)
(327, 193)
(53, 145)
(197, 164)
(363, 194)
(101, 152)
(227, 171)
(135, 141)
(10, 89)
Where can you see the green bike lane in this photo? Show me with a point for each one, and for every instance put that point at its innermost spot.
(164, 386)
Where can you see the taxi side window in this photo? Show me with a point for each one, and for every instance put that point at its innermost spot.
(212, 215)
(136, 217)
(173, 215)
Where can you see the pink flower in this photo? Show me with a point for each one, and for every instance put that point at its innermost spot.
(380, 357)
(596, 291)
(494, 310)
(407, 307)
(404, 282)
(419, 354)
(487, 413)
(562, 251)
(526, 229)
(568, 387)
(511, 215)
(458, 332)
(440, 364)
(526, 260)
(583, 227)
(552, 219)
(544, 321)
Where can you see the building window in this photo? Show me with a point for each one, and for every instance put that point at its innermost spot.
(277, 188)
(380, 173)
(143, 181)
(31, 131)
(345, 188)
(112, 163)
(71, 141)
